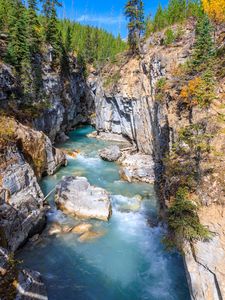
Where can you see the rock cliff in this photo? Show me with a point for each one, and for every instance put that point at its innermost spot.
(64, 102)
(130, 102)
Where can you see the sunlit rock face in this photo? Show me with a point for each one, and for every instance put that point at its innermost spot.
(75, 196)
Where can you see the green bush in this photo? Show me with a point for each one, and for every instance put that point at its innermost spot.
(183, 220)
(169, 37)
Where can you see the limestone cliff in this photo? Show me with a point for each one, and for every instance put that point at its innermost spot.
(64, 102)
(129, 102)
(22, 211)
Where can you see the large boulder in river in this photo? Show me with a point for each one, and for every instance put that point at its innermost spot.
(137, 167)
(75, 196)
(111, 153)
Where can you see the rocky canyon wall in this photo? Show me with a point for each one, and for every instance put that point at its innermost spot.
(128, 102)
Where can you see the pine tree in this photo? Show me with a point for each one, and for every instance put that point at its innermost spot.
(68, 42)
(34, 38)
(51, 22)
(160, 20)
(96, 44)
(204, 46)
(89, 46)
(176, 11)
(64, 59)
(134, 11)
(18, 50)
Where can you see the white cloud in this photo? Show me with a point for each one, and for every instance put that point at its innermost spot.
(100, 19)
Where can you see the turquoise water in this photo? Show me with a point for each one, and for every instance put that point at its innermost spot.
(128, 262)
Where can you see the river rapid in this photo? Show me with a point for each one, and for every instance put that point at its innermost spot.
(128, 262)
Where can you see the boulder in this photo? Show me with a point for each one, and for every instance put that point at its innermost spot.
(91, 235)
(138, 167)
(75, 196)
(81, 228)
(111, 153)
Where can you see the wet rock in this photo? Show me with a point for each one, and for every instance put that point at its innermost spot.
(66, 228)
(111, 153)
(19, 284)
(62, 137)
(75, 196)
(81, 228)
(107, 136)
(125, 204)
(138, 167)
(30, 286)
(91, 235)
(55, 229)
(35, 238)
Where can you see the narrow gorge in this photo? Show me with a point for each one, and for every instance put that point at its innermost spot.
(93, 166)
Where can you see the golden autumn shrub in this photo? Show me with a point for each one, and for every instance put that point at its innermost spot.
(215, 9)
(199, 91)
(6, 129)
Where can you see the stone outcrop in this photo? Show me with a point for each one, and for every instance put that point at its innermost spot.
(23, 160)
(70, 101)
(19, 284)
(22, 211)
(64, 103)
(75, 196)
(205, 260)
(112, 153)
(38, 150)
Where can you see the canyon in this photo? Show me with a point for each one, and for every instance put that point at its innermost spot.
(122, 103)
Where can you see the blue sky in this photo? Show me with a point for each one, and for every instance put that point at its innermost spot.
(107, 14)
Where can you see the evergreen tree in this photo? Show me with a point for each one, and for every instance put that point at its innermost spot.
(160, 20)
(176, 11)
(51, 22)
(96, 44)
(18, 49)
(68, 42)
(204, 46)
(34, 38)
(89, 46)
(64, 59)
(134, 11)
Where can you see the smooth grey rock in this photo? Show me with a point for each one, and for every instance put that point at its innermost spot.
(75, 196)
(111, 153)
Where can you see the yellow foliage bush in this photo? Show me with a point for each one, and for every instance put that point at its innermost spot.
(189, 93)
(215, 9)
(7, 127)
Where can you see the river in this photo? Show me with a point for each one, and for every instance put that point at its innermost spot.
(128, 262)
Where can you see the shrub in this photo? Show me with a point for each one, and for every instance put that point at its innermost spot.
(199, 90)
(160, 89)
(169, 37)
(6, 130)
(183, 221)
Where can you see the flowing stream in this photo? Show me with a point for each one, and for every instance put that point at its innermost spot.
(128, 261)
